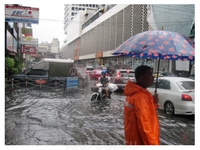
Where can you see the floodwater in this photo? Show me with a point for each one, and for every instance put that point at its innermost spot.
(54, 116)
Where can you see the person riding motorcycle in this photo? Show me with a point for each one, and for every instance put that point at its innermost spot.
(104, 80)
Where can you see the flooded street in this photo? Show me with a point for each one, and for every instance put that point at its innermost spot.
(58, 117)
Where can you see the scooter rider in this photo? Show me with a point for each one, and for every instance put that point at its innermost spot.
(104, 81)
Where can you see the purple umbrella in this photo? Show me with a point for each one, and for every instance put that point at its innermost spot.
(158, 44)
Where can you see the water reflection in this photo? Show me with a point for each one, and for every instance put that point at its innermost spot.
(57, 117)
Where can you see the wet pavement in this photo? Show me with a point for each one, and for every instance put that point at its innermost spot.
(57, 117)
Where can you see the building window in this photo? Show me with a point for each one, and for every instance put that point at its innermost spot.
(79, 8)
(72, 13)
(72, 8)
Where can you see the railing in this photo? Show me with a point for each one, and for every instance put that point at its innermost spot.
(39, 84)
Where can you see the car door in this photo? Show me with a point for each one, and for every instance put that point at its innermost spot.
(163, 90)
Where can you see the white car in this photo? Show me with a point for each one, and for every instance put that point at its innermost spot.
(176, 95)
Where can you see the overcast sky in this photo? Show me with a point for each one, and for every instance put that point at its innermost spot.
(51, 17)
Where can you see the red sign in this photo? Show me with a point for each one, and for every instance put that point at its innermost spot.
(29, 49)
(40, 81)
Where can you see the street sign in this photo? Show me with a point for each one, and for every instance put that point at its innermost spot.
(72, 71)
(72, 82)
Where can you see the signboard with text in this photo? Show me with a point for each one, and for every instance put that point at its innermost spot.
(72, 82)
(21, 14)
(29, 49)
(33, 41)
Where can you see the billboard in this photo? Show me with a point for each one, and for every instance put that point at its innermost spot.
(29, 49)
(21, 14)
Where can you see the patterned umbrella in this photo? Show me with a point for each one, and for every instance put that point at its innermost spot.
(158, 44)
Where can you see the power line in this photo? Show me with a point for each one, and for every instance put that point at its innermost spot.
(105, 22)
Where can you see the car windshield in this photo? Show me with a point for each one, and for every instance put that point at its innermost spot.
(167, 74)
(127, 74)
(185, 85)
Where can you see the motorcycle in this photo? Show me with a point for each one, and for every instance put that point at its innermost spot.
(100, 93)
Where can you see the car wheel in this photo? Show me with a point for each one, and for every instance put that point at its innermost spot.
(169, 108)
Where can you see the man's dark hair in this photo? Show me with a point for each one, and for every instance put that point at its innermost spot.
(141, 70)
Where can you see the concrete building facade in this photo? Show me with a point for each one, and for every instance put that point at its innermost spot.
(70, 11)
(95, 42)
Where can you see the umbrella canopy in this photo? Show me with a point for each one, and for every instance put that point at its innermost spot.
(158, 44)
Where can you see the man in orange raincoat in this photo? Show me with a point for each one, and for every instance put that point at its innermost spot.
(141, 125)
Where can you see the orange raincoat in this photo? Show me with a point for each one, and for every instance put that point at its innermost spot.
(141, 123)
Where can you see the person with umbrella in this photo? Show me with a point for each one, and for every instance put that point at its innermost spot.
(155, 44)
(141, 123)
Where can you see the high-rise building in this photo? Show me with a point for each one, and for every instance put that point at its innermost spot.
(70, 10)
(54, 48)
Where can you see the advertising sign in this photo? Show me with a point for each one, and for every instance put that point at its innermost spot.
(21, 14)
(28, 49)
(9, 41)
(25, 41)
(27, 31)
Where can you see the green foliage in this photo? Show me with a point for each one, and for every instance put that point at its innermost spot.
(18, 64)
(14, 65)
(9, 63)
(14, 70)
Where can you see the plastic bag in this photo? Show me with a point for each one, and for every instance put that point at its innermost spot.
(112, 87)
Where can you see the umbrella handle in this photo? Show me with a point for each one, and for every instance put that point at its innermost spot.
(155, 96)
(155, 91)
(157, 73)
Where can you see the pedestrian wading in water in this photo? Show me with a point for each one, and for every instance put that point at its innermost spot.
(141, 125)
